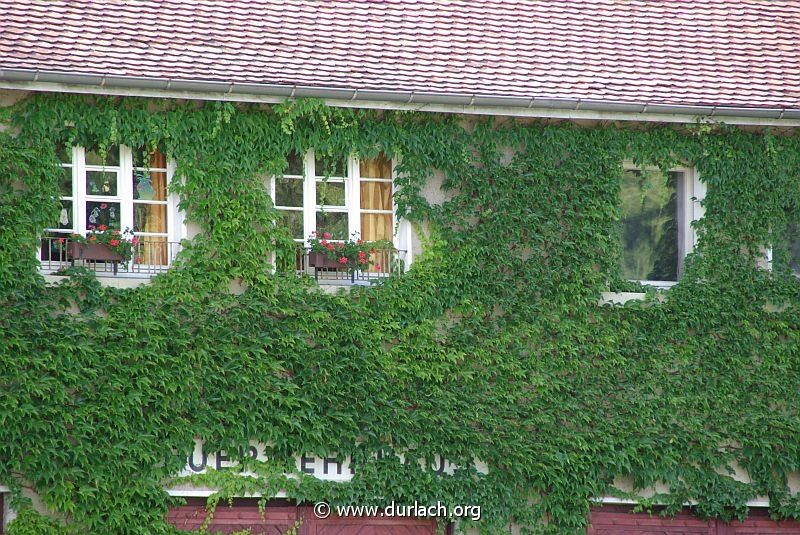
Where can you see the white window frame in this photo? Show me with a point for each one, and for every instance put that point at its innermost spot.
(352, 201)
(689, 210)
(176, 228)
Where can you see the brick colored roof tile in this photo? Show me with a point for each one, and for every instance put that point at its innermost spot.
(739, 53)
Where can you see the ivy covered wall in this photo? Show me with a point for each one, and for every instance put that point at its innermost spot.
(492, 347)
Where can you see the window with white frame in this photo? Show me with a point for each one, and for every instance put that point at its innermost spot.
(117, 188)
(336, 195)
(657, 212)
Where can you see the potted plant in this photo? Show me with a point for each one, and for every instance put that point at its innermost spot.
(351, 255)
(103, 245)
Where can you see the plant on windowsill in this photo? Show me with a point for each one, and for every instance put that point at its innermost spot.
(104, 245)
(351, 255)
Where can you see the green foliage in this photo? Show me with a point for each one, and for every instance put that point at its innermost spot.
(492, 347)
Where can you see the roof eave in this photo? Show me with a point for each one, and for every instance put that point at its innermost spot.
(38, 80)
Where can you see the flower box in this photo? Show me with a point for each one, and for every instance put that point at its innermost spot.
(321, 260)
(93, 251)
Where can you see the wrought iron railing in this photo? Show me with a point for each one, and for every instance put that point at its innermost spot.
(149, 258)
(384, 263)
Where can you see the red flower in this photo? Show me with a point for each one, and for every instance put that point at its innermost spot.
(360, 242)
(378, 267)
(61, 240)
(326, 235)
(113, 243)
(329, 247)
(324, 242)
(340, 245)
(103, 206)
(138, 260)
(102, 228)
(343, 260)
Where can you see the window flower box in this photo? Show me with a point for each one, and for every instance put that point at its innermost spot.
(99, 252)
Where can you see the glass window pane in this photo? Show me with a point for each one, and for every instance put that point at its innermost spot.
(793, 232)
(65, 216)
(330, 193)
(293, 221)
(288, 192)
(102, 213)
(149, 217)
(333, 222)
(376, 227)
(101, 183)
(94, 156)
(64, 154)
(65, 182)
(54, 248)
(650, 226)
(380, 167)
(151, 251)
(142, 157)
(295, 164)
(330, 166)
(150, 185)
(376, 195)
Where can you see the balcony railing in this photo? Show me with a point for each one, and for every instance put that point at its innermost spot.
(150, 257)
(385, 263)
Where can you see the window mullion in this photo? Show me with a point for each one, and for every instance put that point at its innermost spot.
(353, 197)
(125, 187)
(309, 197)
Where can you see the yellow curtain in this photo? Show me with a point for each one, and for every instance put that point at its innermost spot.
(380, 167)
(153, 250)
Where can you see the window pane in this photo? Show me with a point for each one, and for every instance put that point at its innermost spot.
(288, 192)
(650, 226)
(93, 156)
(102, 213)
(330, 193)
(793, 233)
(293, 222)
(376, 227)
(333, 222)
(376, 195)
(64, 154)
(380, 167)
(65, 216)
(149, 217)
(142, 157)
(150, 185)
(101, 183)
(65, 182)
(295, 164)
(54, 248)
(151, 251)
(328, 166)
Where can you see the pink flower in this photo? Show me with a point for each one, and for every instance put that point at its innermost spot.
(138, 260)
(102, 228)
(113, 243)
(326, 235)
(135, 240)
(61, 240)
(103, 206)
(324, 242)
(378, 267)
(343, 260)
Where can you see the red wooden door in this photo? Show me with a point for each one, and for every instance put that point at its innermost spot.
(618, 520)
(280, 516)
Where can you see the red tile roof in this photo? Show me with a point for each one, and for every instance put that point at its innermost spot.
(738, 53)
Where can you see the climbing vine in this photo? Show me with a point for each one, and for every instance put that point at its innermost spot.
(492, 347)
